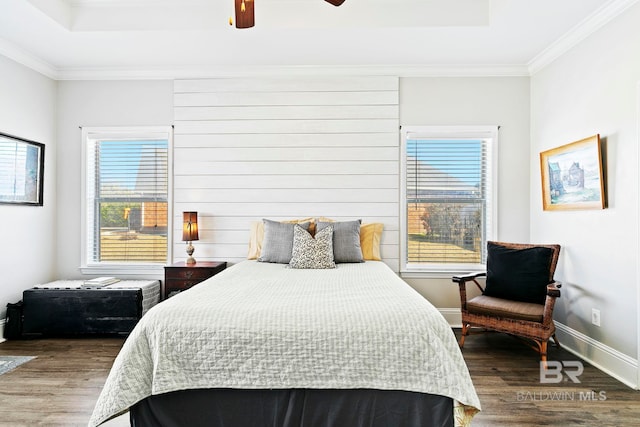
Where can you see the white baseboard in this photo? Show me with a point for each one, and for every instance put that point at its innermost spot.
(607, 359)
(2, 322)
(452, 316)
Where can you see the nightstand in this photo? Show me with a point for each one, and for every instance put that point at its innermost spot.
(180, 276)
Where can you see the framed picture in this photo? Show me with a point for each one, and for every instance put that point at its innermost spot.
(21, 171)
(572, 176)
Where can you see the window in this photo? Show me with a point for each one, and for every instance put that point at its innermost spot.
(448, 198)
(126, 187)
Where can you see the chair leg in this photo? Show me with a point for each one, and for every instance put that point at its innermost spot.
(465, 332)
(555, 340)
(543, 352)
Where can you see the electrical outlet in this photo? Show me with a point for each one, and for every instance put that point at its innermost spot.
(595, 316)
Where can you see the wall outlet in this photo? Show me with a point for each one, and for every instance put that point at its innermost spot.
(595, 316)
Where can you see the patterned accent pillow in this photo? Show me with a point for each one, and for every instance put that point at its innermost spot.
(312, 253)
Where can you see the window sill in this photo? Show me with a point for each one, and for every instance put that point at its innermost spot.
(427, 274)
(440, 273)
(123, 269)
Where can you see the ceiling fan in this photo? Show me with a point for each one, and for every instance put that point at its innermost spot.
(245, 17)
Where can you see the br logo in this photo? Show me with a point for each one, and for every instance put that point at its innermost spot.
(552, 373)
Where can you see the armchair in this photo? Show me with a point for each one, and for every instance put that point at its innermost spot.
(519, 293)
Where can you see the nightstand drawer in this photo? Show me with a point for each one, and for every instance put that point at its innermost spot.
(193, 274)
(183, 284)
(180, 277)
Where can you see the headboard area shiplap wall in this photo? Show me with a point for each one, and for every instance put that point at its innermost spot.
(281, 148)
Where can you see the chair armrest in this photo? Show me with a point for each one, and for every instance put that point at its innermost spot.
(468, 277)
(553, 289)
(553, 292)
(462, 285)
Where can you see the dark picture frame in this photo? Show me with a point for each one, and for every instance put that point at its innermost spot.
(572, 176)
(21, 171)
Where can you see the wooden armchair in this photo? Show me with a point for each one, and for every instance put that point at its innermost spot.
(527, 315)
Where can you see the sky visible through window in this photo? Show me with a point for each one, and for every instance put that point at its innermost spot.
(124, 156)
(459, 158)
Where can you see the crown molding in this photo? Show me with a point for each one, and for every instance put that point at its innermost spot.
(292, 71)
(588, 26)
(21, 56)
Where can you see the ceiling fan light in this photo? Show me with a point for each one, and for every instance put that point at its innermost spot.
(335, 2)
(245, 17)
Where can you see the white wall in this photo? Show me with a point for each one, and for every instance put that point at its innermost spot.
(96, 103)
(281, 148)
(215, 142)
(502, 101)
(217, 133)
(594, 89)
(27, 233)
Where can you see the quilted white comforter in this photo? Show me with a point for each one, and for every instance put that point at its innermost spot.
(258, 325)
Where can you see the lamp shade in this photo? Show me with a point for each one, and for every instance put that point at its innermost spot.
(189, 226)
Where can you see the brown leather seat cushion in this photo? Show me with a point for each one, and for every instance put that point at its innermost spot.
(506, 308)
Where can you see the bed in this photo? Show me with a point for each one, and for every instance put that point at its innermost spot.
(277, 346)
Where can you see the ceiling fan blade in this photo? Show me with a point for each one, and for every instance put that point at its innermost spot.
(245, 17)
(335, 2)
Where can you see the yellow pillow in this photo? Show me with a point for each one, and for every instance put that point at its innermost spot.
(311, 221)
(370, 235)
(325, 219)
(256, 235)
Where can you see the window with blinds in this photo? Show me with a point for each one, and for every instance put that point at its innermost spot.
(127, 187)
(449, 199)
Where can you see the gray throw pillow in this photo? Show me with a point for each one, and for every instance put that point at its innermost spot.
(346, 240)
(312, 253)
(278, 241)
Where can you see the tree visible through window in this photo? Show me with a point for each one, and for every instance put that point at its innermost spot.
(448, 198)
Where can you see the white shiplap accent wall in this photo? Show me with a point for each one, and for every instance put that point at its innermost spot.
(281, 148)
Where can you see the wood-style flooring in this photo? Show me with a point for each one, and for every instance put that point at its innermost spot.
(60, 386)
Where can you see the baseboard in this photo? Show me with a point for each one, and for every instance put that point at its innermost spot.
(607, 359)
(2, 322)
(452, 316)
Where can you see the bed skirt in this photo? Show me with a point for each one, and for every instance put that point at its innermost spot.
(292, 407)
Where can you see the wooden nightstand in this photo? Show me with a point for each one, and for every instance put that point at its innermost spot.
(180, 276)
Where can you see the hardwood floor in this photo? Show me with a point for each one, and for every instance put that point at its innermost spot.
(60, 386)
(507, 378)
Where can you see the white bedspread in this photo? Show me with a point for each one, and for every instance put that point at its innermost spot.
(258, 325)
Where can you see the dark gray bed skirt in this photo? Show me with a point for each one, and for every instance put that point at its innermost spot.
(295, 407)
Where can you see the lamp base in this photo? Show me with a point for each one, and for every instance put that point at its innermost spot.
(190, 260)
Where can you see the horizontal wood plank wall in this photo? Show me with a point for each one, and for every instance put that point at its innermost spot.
(282, 148)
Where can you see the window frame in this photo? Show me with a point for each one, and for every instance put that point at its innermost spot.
(87, 264)
(446, 270)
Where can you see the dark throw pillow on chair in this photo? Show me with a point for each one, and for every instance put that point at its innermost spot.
(518, 274)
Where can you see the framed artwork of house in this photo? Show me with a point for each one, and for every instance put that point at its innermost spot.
(572, 176)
